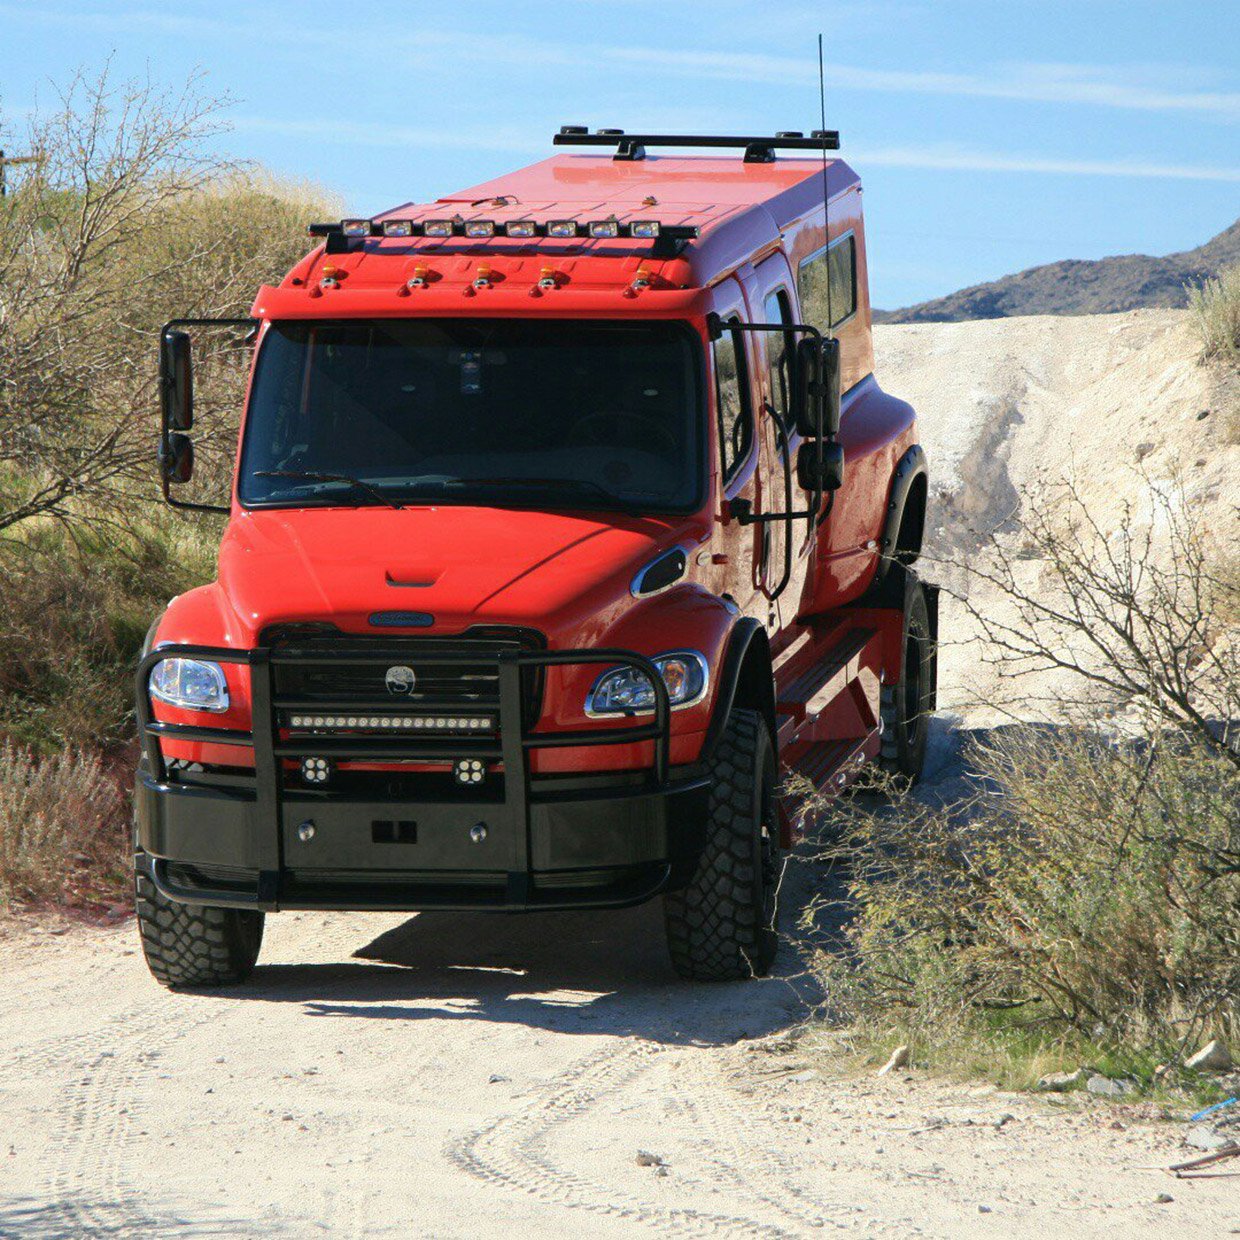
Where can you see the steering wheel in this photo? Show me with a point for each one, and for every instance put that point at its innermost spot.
(591, 430)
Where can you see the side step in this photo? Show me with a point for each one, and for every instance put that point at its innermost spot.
(827, 701)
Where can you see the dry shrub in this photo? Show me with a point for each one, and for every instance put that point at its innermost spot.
(1215, 306)
(1083, 895)
(62, 832)
(1088, 888)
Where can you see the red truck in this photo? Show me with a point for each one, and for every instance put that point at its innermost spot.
(567, 515)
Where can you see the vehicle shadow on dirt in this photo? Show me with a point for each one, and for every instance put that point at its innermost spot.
(587, 973)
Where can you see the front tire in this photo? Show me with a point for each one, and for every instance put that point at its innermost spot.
(721, 926)
(192, 944)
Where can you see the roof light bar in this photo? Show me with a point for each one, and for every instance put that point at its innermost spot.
(669, 238)
(758, 150)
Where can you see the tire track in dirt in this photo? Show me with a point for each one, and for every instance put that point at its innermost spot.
(511, 1153)
(97, 1123)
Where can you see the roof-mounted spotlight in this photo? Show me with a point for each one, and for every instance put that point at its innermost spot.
(561, 228)
(644, 228)
(355, 228)
(521, 228)
(604, 228)
(437, 228)
(398, 228)
(480, 228)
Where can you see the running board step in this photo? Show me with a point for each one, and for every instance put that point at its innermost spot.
(825, 681)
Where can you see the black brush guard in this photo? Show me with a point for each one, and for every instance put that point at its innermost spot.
(561, 842)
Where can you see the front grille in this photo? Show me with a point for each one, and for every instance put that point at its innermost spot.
(456, 698)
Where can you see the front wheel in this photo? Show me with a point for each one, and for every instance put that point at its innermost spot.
(721, 926)
(192, 944)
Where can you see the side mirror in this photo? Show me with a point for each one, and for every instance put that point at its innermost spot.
(830, 477)
(817, 391)
(176, 381)
(176, 458)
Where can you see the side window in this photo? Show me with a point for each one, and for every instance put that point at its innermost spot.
(732, 402)
(778, 309)
(830, 276)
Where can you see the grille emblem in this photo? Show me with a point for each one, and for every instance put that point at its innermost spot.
(400, 680)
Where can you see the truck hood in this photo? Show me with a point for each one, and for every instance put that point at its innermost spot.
(459, 565)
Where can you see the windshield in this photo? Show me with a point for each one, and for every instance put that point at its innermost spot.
(498, 411)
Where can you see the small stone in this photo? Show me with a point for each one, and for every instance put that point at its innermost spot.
(646, 1159)
(1143, 450)
(898, 1060)
(984, 1210)
(1104, 1087)
(1004, 1119)
(1213, 1057)
(808, 1075)
(1203, 1137)
(1061, 1082)
(496, 1079)
(661, 1169)
(1163, 1199)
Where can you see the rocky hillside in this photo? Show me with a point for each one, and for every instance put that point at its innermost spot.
(1102, 286)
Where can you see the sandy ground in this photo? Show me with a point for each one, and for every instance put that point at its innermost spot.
(456, 1076)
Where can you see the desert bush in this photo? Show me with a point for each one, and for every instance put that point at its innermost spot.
(1215, 307)
(62, 828)
(1089, 890)
(1083, 896)
(126, 220)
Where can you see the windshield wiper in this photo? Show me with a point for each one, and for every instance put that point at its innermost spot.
(543, 484)
(315, 475)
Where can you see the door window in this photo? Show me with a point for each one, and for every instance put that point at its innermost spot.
(779, 347)
(732, 402)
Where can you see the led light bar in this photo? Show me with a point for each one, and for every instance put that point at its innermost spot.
(402, 723)
(669, 239)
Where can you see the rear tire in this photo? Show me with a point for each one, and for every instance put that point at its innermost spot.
(193, 945)
(721, 926)
(907, 704)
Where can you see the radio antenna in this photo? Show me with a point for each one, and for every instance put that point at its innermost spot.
(826, 192)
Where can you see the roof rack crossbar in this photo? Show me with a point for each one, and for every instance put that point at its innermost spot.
(761, 150)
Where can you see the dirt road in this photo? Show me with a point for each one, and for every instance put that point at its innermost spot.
(461, 1076)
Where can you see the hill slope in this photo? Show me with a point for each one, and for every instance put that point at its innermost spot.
(1102, 286)
(1118, 402)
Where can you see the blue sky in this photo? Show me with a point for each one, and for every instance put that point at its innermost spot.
(991, 134)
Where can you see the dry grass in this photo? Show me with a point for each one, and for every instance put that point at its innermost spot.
(62, 833)
(1215, 306)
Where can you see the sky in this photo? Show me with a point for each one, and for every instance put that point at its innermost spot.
(991, 135)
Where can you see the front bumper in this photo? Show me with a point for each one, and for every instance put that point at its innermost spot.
(555, 842)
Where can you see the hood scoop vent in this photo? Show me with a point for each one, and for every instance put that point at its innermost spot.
(401, 619)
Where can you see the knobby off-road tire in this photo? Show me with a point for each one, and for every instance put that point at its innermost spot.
(192, 945)
(906, 704)
(721, 927)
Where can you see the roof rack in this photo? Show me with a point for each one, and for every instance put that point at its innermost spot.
(632, 146)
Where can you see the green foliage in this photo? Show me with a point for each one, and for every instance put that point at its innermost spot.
(1083, 906)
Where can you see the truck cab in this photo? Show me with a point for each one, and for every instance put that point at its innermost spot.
(568, 518)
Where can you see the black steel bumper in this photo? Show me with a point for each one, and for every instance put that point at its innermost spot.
(259, 841)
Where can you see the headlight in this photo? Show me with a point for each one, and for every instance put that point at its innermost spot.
(190, 683)
(625, 690)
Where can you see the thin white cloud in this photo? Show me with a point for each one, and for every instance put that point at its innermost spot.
(1133, 88)
(958, 160)
(942, 158)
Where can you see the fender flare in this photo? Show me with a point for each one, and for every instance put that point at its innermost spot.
(910, 467)
(745, 633)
